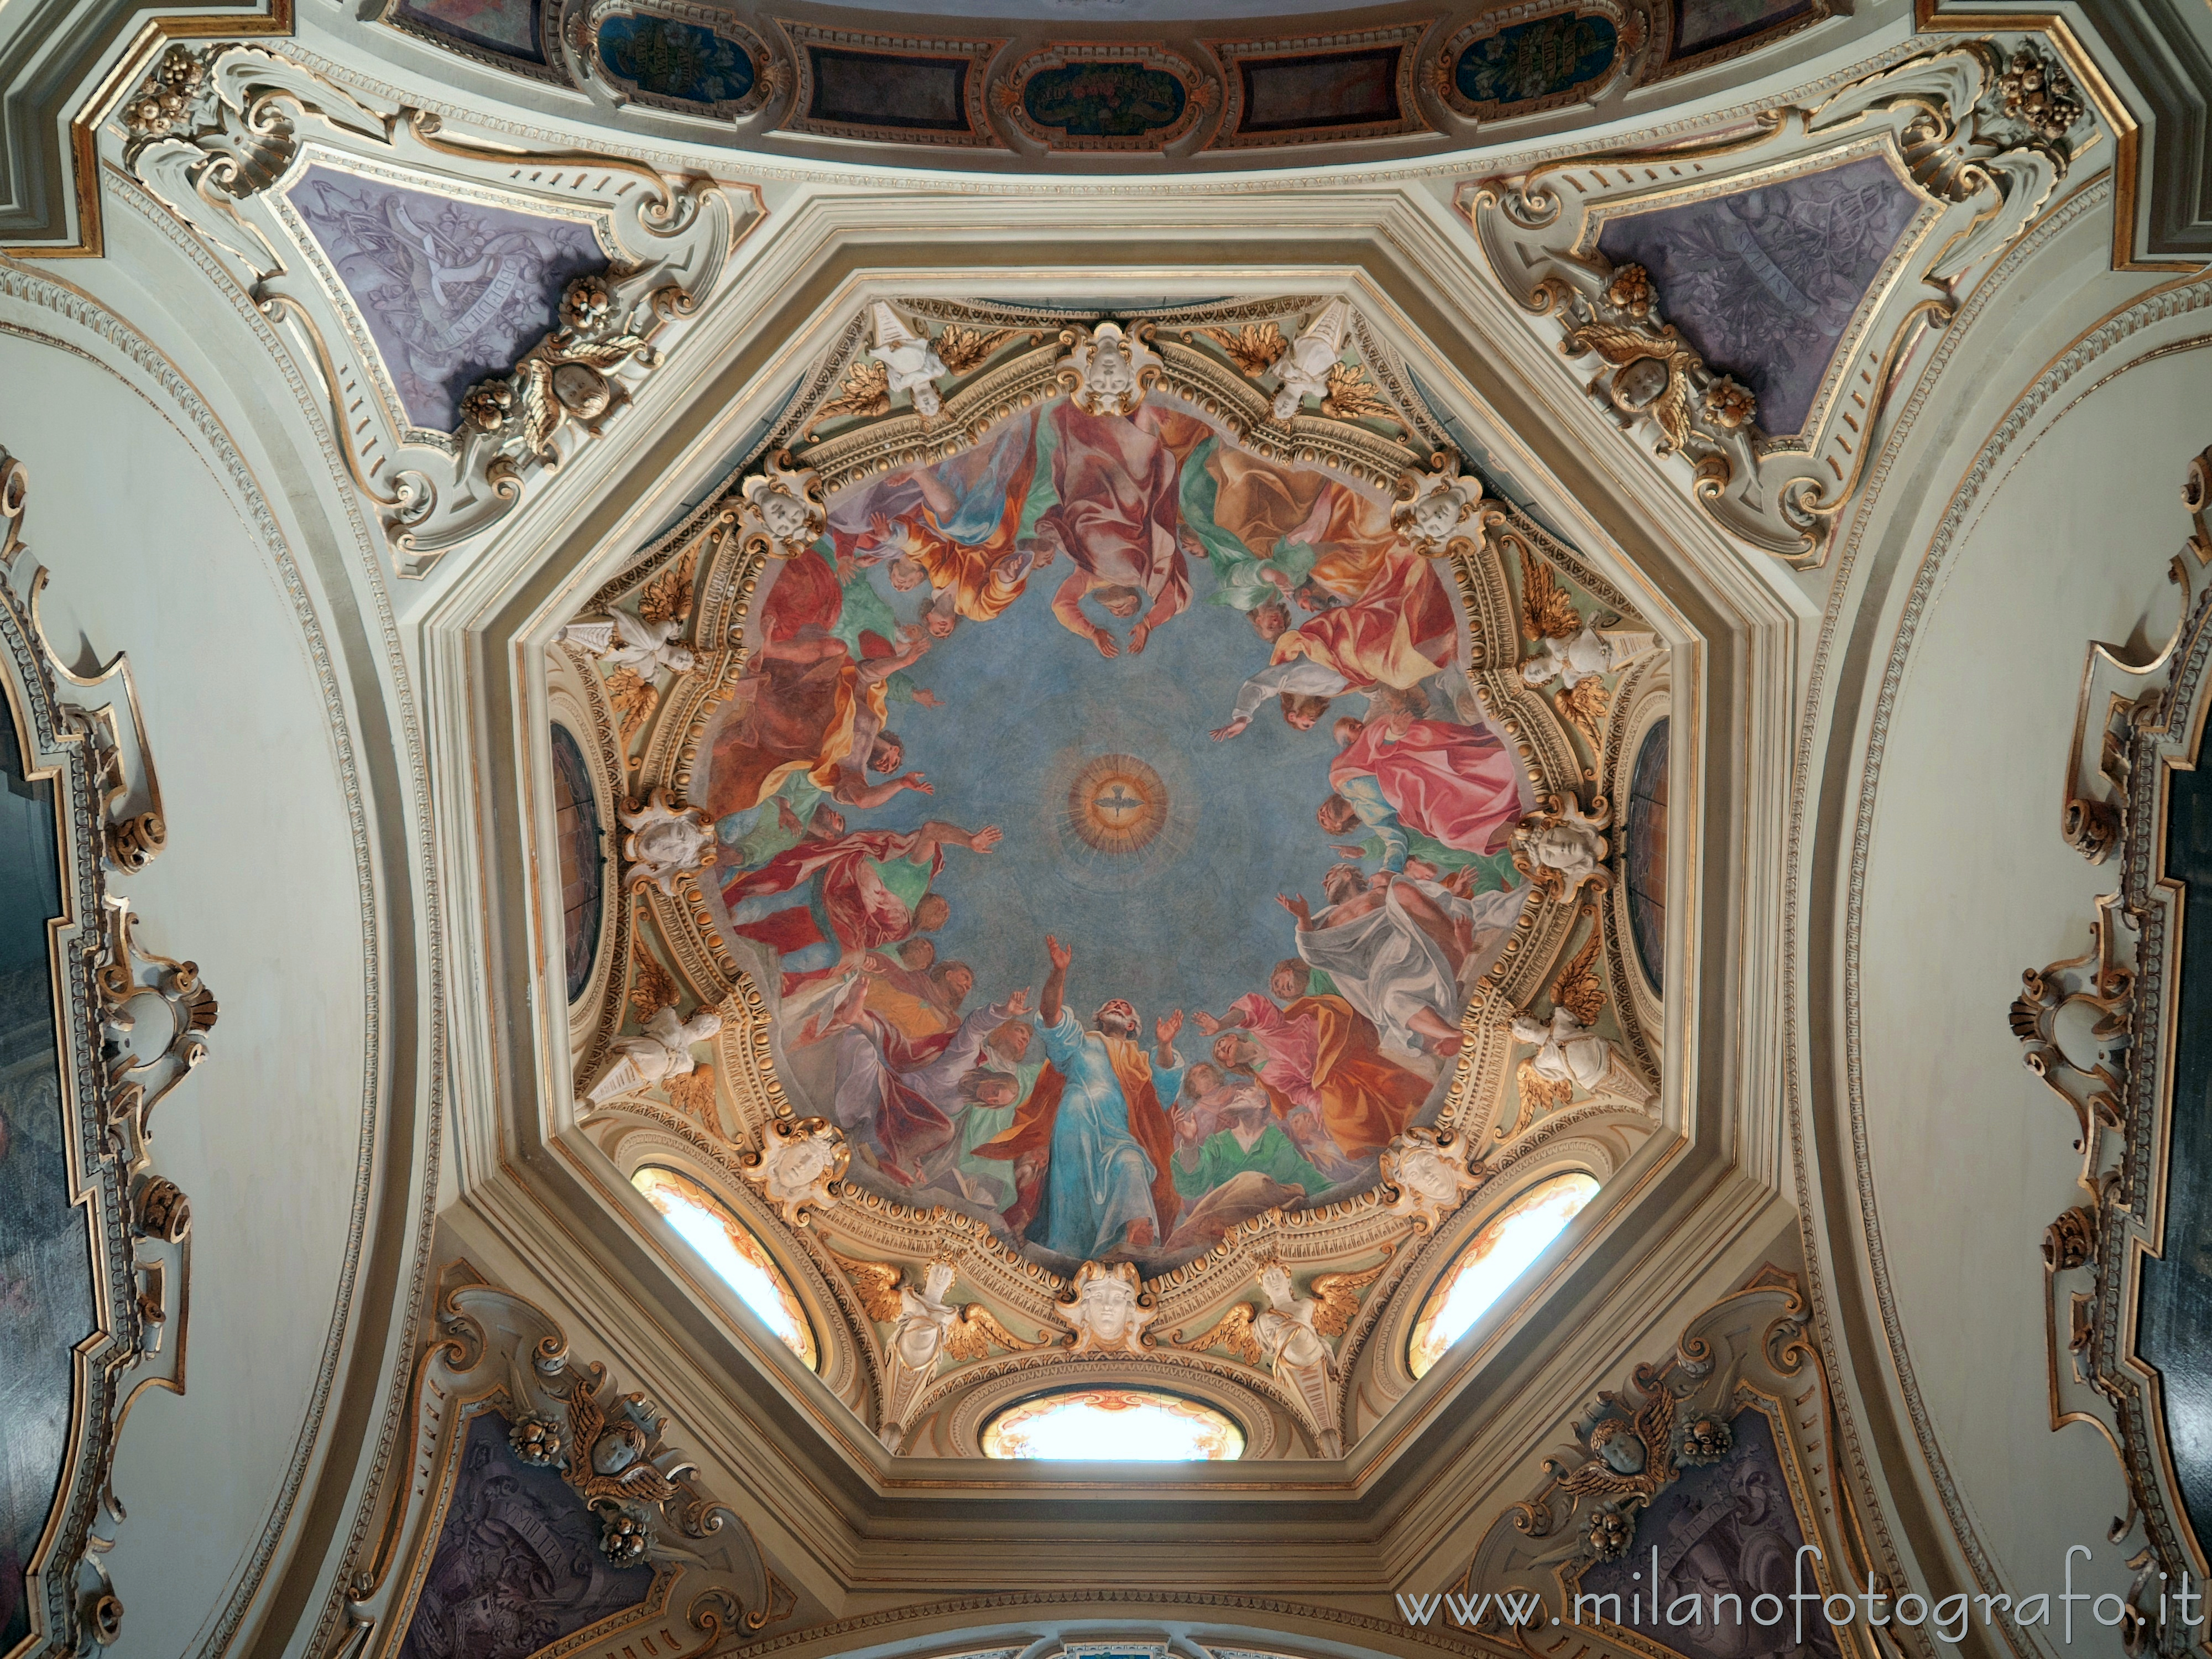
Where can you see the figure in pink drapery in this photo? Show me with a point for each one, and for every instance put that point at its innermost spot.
(1397, 633)
(1291, 1047)
(1117, 518)
(1455, 784)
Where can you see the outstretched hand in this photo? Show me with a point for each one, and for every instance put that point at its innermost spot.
(1137, 637)
(1343, 852)
(1060, 954)
(1222, 733)
(1104, 641)
(1297, 905)
(1208, 1025)
(916, 782)
(926, 698)
(1018, 1003)
(1165, 1030)
(986, 838)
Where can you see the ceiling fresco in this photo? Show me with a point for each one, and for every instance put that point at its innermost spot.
(1115, 816)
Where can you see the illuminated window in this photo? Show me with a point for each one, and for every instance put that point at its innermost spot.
(1513, 1239)
(583, 866)
(1119, 1426)
(743, 1263)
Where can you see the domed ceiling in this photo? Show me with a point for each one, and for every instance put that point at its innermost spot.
(1119, 837)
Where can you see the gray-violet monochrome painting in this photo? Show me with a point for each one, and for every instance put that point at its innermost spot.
(1764, 282)
(451, 291)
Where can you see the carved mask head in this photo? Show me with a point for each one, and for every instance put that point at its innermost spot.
(1110, 375)
(1107, 1305)
(786, 517)
(1616, 1444)
(1437, 514)
(618, 1447)
(1637, 386)
(1275, 1284)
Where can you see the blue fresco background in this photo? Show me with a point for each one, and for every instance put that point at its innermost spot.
(1022, 692)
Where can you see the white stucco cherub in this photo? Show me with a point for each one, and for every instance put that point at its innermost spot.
(924, 1329)
(622, 641)
(662, 1054)
(1430, 1174)
(1585, 655)
(1104, 1310)
(1303, 370)
(909, 359)
(799, 1165)
(667, 841)
(1568, 1053)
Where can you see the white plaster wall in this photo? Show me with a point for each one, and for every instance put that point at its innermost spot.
(260, 884)
(1967, 883)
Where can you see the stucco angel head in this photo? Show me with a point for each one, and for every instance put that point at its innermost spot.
(1107, 370)
(1442, 505)
(787, 502)
(1103, 1308)
(1615, 1442)
(926, 403)
(1639, 384)
(1288, 400)
(1275, 1284)
(1422, 1167)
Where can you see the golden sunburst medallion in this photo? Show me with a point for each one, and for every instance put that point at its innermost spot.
(1117, 804)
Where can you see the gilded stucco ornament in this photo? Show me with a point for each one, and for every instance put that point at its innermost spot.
(1745, 1363)
(129, 1026)
(1107, 371)
(1291, 1335)
(2106, 1032)
(1561, 849)
(212, 132)
(1987, 133)
(495, 1353)
(1438, 509)
(1106, 1309)
(783, 510)
(1431, 1175)
(925, 1329)
(659, 1057)
(665, 841)
(799, 1165)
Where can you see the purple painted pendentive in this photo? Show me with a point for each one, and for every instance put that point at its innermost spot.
(518, 1563)
(451, 291)
(1764, 283)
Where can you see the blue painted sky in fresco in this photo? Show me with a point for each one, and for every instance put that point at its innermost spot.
(1024, 696)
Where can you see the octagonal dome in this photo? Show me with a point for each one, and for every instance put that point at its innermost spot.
(1118, 813)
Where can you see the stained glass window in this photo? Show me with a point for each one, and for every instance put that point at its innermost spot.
(1496, 1257)
(1117, 1425)
(742, 1261)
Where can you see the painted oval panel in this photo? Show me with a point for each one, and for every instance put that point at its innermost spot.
(1104, 100)
(739, 1259)
(1492, 1260)
(46, 1305)
(1114, 1425)
(671, 58)
(1647, 855)
(583, 860)
(1541, 58)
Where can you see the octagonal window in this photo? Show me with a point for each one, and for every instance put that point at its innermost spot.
(1492, 1261)
(1118, 1425)
(740, 1260)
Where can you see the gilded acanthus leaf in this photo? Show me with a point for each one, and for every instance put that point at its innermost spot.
(1577, 989)
(876, 1283)
(963, 351)
(1257, 347)
(1352, 397)
(633, 696)
(1232, 1331)
(668, 596)
(693, 1094)
(1337, 1298)
(651, 989)
(867, 391)
(1583, 708)
(977, 1331)
(600, 354)
(540, 412)
(1546, 612)
(1540, 1093)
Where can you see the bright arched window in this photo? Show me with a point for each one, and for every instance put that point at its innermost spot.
(1495, 1257)
(1114, 1425)
(741, 1260)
